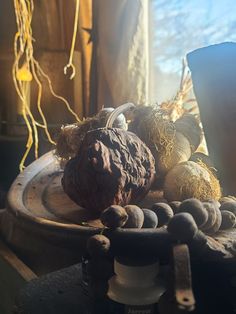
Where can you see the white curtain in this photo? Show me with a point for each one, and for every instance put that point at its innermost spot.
(123, 52)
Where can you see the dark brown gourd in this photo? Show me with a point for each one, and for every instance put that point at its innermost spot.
(113, 166)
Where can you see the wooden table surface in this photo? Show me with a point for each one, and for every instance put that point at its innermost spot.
(14, 275)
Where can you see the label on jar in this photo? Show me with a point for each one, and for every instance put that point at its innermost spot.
(118, 308)
(140, 309)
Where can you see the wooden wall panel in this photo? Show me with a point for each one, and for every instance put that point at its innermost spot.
(83, 43)
(48, 25)
(53, 23)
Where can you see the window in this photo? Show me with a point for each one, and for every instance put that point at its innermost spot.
(180, 26)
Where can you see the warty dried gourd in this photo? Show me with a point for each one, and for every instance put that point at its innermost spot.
(112, 167)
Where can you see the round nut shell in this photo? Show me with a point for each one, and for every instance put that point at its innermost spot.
(114, 216)
(195, 208)
(228, 220)
(150, 219)
(228, 198)
(210, 208)
(164, 213)
(175, 206)
(182, 227)
(229, 206)
(135, 217)
(98, 245)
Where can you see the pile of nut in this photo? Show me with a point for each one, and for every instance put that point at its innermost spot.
(188, 221)
(182, 219)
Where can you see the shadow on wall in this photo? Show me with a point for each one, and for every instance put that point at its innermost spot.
(11, 152)
(2, 198)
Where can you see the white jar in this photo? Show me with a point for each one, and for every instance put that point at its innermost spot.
(138, 286)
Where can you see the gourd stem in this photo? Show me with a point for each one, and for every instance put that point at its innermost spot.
(115, 113)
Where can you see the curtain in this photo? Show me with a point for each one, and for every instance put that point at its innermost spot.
(122, 56)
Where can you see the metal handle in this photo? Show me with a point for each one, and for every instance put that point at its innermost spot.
(183, 281)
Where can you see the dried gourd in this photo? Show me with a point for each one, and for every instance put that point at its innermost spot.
(190, 179)
(112, 166)
(170, 142)
(72, 135)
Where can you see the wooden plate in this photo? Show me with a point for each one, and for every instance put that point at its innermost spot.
(40, 215)
(37, 196)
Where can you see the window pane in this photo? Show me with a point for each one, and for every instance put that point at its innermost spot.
(179, 26)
